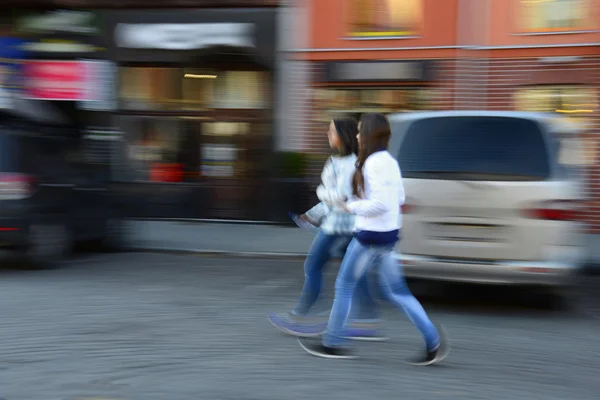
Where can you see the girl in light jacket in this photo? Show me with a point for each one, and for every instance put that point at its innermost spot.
(335, 233)
(378, 195)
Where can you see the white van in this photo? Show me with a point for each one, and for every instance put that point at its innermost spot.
(491, 197)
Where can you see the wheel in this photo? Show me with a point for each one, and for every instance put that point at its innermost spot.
(568, 298)
(49, 245)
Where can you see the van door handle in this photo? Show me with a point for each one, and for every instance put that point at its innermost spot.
(58, 185)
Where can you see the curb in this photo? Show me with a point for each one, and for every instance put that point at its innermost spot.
(217, 253)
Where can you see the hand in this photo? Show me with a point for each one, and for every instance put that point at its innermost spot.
(347, 209)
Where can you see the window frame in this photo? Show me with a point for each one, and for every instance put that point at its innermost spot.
(349, 16)
(521, 25)
(586, 113)
(320, 94)
(211, 106)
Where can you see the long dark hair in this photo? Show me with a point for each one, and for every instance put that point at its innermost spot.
(347, 129)
(375, 135)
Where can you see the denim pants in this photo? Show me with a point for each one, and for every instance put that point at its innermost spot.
(324, 246)
(359, 259)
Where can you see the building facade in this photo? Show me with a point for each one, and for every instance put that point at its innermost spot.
(395, 56)
(189, 85)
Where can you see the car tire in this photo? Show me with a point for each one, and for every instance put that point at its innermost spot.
(49, 245)
(566, 299)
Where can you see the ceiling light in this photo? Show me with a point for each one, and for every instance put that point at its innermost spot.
(195, 76)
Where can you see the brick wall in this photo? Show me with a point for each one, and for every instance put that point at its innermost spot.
(481, 83)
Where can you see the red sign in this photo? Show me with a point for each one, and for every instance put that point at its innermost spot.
(56, 80)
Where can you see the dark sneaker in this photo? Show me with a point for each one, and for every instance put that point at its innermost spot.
(297, 326)
(317, 349)
(436, 356)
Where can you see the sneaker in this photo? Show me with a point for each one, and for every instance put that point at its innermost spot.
(317, 349)
(297, 326)
(434, 356)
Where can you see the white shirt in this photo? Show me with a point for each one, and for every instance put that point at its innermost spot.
(379, 210)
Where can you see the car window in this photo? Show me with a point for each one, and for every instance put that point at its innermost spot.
(474, 148)
(8, 152)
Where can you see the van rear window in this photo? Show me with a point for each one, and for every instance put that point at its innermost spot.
(474, 148)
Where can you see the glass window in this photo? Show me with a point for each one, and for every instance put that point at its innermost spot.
(474, 148)
(334, 102)
(149, 88)
(172, 89)
(555, 15)
(198, 89)
(578, 103)
(174, 149)
(381, 18)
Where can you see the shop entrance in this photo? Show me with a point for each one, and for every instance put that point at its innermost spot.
(197, 136)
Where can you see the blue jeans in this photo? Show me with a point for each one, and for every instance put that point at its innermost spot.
(323, 247)
(359, 259)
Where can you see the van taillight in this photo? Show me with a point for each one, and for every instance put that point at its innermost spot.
(555, 211)
(16, 186)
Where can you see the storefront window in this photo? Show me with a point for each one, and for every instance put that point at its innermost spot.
(381, 18)
(554, 15)
(334, 102)
(186, 149)
(576, 102)
(171, 89)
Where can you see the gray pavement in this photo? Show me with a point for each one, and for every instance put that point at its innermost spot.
(158, 326)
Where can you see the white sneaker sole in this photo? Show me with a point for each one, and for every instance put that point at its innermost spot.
(368, 338)
(328, 356)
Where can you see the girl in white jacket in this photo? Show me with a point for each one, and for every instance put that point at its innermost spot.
(336, 226)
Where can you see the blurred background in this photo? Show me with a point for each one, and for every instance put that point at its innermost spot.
(195, 126)
(215, 109)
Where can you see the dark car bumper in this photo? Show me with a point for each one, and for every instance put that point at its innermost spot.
(13, 232)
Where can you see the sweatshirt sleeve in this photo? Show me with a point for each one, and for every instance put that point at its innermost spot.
(318, 212)
(379, 182)
(328, 191)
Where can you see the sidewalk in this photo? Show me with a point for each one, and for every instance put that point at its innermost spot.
(218, 238)
(249, 240)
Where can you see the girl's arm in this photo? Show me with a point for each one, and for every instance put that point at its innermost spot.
(316, 214)
(329, 190)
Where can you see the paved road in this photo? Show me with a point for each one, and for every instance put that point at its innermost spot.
(151, 326)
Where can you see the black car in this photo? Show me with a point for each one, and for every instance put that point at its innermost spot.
(51, 195)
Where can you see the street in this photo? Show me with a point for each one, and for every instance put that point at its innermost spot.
(158, 326)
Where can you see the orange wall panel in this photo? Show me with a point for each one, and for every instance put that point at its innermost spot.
(506, 30)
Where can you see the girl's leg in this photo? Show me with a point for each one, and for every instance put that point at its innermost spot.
(394, 287)
(318, 256)
(364, 306)
(296, 322)
(357, 261)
